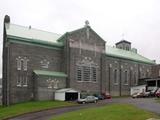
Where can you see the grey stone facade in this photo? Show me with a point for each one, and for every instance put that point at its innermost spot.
(84, 49)
(78, 60)
(135, 71)
(43, 90)
(36, 56)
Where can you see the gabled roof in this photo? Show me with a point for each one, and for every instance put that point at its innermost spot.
(123, 41)
(124, 54)
(50, 73)
(66, 90)
(71, 32)
(30, 33)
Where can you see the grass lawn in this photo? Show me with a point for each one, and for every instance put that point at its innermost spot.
(22, 108)
(109, 112)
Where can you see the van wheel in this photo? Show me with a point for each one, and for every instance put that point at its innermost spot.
(83, 102)
(95, 101)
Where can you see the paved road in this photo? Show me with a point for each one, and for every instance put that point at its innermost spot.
(143, 103)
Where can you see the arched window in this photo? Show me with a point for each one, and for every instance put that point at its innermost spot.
(86, 70)
(22, 77)
(25, 61)
(19, 63)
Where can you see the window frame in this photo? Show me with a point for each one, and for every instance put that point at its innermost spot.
(125, 77)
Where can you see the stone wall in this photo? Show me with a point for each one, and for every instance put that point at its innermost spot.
(135, 71)
(85, 45)
(45, 88)
(155, 71)
(38, 58)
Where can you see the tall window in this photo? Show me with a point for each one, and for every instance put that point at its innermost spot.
(115, 77)
(86, 71)
(25, 80)
(135, 78)
(25, 61)
(19, 80)
(22, 77)
(126, 77)
(19, 63)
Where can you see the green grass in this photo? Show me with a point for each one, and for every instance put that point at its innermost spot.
(109, 112)
(21, 108)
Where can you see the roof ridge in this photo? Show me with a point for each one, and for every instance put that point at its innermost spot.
(120, 49)
(35, 29)
(125, 53)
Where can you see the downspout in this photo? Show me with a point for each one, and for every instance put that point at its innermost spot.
(8, 76)
(120, 79)
(109, 79)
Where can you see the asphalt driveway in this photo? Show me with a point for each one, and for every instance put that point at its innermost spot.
(144, 103)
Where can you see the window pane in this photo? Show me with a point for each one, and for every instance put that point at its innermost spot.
(79, 73)
(94, 74)
(86, 73)
(18, 63)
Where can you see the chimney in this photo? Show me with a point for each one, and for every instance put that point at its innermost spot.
(6, 19)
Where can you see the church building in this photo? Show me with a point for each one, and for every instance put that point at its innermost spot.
(37, 64)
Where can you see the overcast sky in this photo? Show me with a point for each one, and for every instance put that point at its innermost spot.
(138, 20)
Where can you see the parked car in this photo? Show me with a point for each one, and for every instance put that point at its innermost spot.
(153, 92)
(88, 99)
(137, 95)
(141, 94)
(158, 93)
(146, 94)
(100, 97)
(106, 95)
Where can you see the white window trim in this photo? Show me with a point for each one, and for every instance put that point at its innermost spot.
(25, 64)
(19, 81)
(19, 64)
(25, 84)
